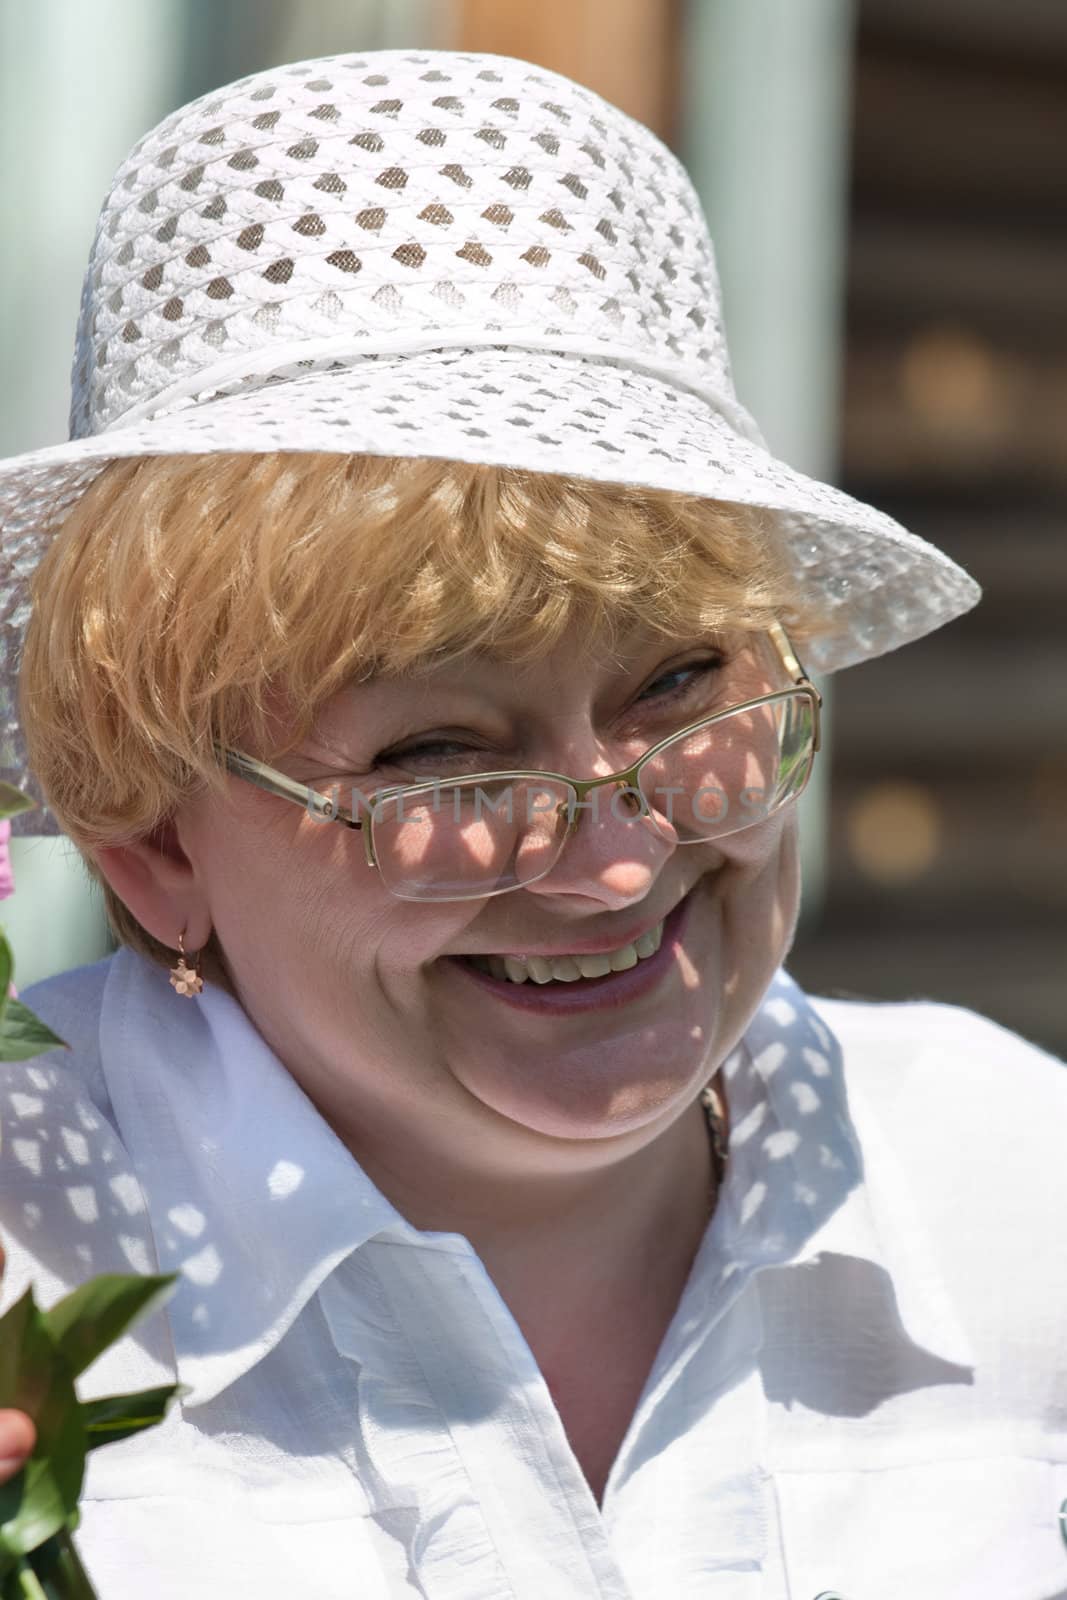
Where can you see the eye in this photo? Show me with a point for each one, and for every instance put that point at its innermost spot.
(424, 750)
(436, 757)
(691, 678)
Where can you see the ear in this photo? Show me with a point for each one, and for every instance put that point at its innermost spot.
(155, 879)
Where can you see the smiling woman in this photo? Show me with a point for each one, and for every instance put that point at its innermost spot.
(391, 620)
(412, 641)
(193, 635)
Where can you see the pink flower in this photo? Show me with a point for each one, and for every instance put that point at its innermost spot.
(7, 877)
(7, 880)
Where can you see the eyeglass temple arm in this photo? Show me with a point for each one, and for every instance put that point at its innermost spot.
(317, 805)
(793, 665)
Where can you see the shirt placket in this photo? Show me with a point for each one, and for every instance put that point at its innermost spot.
(690, 1508)
(531, 1526)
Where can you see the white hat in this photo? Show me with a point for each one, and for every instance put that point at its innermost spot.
(432, 254)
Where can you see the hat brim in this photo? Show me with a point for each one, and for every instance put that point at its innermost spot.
(878, 585)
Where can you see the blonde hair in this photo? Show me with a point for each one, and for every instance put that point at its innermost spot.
(184, 592)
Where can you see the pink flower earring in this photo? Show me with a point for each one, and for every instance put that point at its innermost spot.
(184, 978)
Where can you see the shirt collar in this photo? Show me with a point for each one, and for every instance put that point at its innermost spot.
(252, 1196)
(811, 1171)
(255, 1200)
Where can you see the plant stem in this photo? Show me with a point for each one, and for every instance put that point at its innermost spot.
(29, 1585)
(60, 1572)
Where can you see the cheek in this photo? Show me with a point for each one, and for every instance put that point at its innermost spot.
(787, 888)
(763, 899)
(302, 891)
(760, 910)
(766, 847)
(276, 874)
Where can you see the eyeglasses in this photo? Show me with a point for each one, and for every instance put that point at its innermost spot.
(476, 836)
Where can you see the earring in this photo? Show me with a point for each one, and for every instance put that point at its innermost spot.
(184, 978)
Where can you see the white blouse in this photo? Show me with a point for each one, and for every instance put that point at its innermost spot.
(863, 1392)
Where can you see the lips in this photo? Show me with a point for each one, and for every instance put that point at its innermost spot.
(581, 993)
(568, 968)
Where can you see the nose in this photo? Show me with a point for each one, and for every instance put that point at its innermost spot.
(613, 853)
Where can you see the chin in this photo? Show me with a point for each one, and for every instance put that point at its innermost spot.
(597, 1088)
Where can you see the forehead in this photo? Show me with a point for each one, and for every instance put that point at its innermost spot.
(577, 677)
(574, 667)
(578, 653)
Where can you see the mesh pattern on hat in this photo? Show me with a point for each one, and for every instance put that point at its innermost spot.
(449, 199)
(431, 254)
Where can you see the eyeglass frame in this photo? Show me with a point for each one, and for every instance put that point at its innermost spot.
(327, 810)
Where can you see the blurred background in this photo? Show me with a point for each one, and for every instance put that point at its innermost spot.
(887, 188)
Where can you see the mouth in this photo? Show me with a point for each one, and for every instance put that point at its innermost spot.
(568, 983)
(569, 968)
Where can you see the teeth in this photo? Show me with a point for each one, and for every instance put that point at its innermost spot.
(565, 969)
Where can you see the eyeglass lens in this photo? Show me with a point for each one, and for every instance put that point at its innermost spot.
(472, 839)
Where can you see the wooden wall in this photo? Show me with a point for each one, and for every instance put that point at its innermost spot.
(949, 802)
(624, 49)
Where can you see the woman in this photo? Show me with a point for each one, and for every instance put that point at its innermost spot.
(415, 658)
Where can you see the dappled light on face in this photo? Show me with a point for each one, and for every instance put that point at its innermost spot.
(485, 836)
(699, 743)
(479, 834)
(733, 772)
(471, 839)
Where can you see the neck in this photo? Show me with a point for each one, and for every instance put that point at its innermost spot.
(591, 1264)
(627, 1239)
(607, 1234)
(593, 1273)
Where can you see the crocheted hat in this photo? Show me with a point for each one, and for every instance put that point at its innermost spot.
(432, 254)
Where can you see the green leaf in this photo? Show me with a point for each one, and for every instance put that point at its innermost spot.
(59, 1570)
(7, 967)
(22, 1379)
(34, 1377)
(13, 802)
(118, 1416)
(23, 1035)
(93, 1316)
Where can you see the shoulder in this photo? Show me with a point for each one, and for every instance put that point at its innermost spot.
(71, 1203)
(71, 1001)
(71, 1004)
(967, 1119)
(946, 1051)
